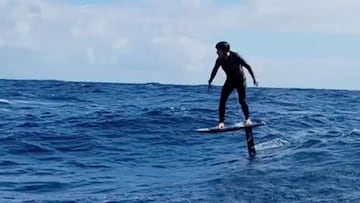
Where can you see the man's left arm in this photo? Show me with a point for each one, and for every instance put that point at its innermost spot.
(248, 67)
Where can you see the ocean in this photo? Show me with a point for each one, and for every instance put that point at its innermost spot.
(112, 142)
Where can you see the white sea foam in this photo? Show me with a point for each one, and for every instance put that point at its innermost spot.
(275, 143)
(4, 101)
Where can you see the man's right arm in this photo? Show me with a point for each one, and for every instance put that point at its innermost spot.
(214, 70)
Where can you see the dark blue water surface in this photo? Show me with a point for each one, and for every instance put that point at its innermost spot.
(102, 142)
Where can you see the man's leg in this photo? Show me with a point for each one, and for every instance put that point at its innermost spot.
(241, 89)
(225, 92)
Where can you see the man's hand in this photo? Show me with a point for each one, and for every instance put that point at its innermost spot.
(256, 83)
(209, 86)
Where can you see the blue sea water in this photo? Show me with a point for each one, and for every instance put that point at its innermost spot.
(104, 142)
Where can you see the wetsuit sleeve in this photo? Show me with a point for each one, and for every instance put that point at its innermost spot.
(214, 70)
(247, 66)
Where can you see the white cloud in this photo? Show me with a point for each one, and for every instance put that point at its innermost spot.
(155, 38)
(90, 56)
(310, 73)
(335, 16)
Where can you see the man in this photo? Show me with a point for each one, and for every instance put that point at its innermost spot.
(232, 64)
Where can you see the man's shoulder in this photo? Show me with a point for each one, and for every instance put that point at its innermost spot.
(235, 54)
(237, 57)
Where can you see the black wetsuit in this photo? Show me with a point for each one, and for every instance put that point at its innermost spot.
(235, 79)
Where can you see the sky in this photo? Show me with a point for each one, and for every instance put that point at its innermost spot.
(288, 43)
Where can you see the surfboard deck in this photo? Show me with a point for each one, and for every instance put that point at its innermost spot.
(234, 127)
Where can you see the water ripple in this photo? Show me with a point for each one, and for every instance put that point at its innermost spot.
(106, 142)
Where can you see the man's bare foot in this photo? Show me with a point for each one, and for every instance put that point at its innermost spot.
(248, 122)
(221, 125)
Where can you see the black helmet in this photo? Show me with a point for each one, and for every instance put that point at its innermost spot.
(224, 46)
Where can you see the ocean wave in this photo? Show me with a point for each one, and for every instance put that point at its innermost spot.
(103, 142)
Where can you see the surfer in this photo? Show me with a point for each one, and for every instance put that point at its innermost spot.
(232, 64)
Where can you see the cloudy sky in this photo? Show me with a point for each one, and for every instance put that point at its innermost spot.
(289, 43)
